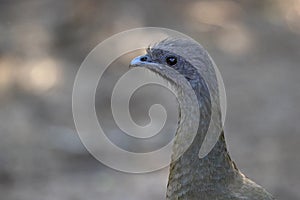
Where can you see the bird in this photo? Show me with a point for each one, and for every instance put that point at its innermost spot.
(191, 177)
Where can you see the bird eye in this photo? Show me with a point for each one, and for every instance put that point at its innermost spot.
(171, 60)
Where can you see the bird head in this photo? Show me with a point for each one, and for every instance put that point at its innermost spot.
(181, 57)
(188, 66)
(172, 57)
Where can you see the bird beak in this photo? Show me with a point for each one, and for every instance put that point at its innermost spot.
(140, 60)
(166, 72)
(136, 61)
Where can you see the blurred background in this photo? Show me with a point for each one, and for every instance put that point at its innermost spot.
(256, 45)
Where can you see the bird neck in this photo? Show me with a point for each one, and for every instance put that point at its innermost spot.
(191, 175)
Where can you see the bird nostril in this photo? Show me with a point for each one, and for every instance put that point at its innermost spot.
(144, 58)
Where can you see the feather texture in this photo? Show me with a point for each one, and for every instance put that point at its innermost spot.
(215, 176)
